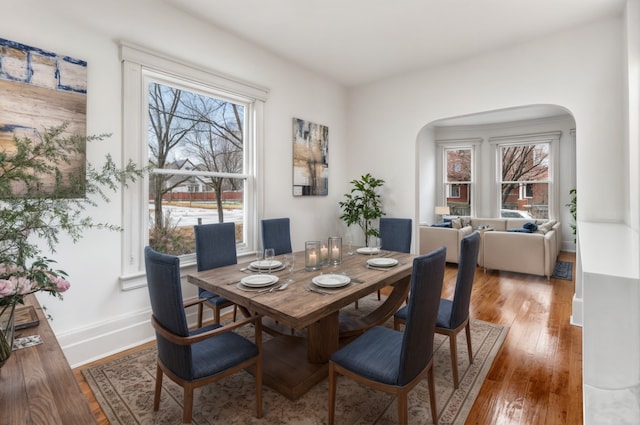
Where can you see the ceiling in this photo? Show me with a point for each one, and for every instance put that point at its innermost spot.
(356, 42)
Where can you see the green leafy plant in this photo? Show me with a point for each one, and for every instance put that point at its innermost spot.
(363, 205)
(39, 203)
(573, 208)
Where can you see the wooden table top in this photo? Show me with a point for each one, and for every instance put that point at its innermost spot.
(295, 306)
(37, 385)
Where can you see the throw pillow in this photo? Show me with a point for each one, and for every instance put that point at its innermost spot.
(530, 226)
(544, 228)
(466, 221)
(519, 230)
(456, 223)
(447, 224)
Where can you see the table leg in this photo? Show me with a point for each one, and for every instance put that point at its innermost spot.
(322, 338)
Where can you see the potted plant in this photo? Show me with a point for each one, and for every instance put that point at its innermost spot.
(38, 204)
(573, 209)
(363, 205)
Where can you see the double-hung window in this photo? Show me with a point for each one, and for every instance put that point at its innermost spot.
(198, 133)
(525, 170)
(457, 176)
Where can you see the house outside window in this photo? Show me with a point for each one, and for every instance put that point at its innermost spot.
(199, 132)
(457, 172)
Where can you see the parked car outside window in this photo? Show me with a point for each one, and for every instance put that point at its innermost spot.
(505, 213)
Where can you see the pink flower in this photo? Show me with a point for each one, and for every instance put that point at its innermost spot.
(22, 284)
(7, 288)
(61, 284)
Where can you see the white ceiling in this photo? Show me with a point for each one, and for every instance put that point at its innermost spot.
(360, 41)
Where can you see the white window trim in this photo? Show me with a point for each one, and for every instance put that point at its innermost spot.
(553, 138)
(135, 62)
(472, 143)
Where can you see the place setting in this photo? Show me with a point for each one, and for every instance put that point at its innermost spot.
(381, 263)
(328, 284)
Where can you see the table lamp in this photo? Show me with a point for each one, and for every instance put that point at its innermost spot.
(442, 211)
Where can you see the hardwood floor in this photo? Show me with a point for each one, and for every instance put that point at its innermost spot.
(537, 376)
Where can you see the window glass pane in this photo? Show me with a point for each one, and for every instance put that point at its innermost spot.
(525, 163)
(200, 139)
(458, 165)
(535, 206)
(459, 198)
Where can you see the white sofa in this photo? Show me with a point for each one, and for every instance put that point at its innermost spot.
(533, 253)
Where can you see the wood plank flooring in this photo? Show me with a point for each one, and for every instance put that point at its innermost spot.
(537, 376)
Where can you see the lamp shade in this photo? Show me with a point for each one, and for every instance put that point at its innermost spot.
(442, 210)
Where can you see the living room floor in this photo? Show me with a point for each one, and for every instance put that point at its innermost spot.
(537, 377)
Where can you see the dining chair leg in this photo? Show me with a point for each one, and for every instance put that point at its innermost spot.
(432, 395)
(332, 394)
(156, 397)
(454, 358)
(378, 295)
(200, 309)
(235, 312)
(187, 410)
(216, 315)
(396, 323)
(468, 331)
(403, 414)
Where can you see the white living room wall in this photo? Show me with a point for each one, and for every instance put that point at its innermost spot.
(96, 317)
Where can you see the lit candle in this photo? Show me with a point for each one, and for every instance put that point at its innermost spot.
(335, 252)
(323, 252)
(312, 258)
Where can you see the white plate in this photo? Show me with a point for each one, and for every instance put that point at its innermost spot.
(382, 262)
(331, 280)
(266, 264)
(258, 280)
(368, 250)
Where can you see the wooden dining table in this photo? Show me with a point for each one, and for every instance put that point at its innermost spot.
(307, 327)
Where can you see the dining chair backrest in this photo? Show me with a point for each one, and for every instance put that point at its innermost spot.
(469, 247)
(276, 234)
(165, 293)
(417, 341)
(395, 234)
(215, 245)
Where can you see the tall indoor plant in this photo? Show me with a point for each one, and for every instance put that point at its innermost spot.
(363, 205)
(37, 207)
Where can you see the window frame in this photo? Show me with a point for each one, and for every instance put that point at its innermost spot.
(550, 138)
(137, 65)
(441, 169)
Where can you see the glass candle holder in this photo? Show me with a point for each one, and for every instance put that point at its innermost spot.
(324, 255)
(335, 250)
(312, 260)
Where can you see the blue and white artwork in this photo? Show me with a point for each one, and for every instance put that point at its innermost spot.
(39, 90)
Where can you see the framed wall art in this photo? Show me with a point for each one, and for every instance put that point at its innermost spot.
(310, 158)
(41, 90)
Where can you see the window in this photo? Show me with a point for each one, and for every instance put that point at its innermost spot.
(199, 133)
(458, 177)
(525, 175)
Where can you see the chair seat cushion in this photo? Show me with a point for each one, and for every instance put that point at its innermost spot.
(444, 314)
(374, 355)
(214, 299)
(215, 355)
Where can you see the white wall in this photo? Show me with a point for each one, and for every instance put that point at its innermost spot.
(96, 317)
(579, 70)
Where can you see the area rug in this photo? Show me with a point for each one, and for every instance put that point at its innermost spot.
(124, 389)
(563, 270)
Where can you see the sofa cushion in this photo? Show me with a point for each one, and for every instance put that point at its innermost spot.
(456, 223)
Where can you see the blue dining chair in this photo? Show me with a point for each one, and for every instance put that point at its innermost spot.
(193, 358)
(215, 247)
(395, 235)
(392, 361)
(276, 234)
(453, 315)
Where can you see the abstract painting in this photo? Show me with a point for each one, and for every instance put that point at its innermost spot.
(40, 90)
(310, 158)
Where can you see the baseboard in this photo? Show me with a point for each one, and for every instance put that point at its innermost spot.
(95, 342)
(576, 311)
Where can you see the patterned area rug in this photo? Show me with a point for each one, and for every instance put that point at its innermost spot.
(124, 389)
(563, 270)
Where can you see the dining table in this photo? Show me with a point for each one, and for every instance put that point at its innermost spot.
(304, 319)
